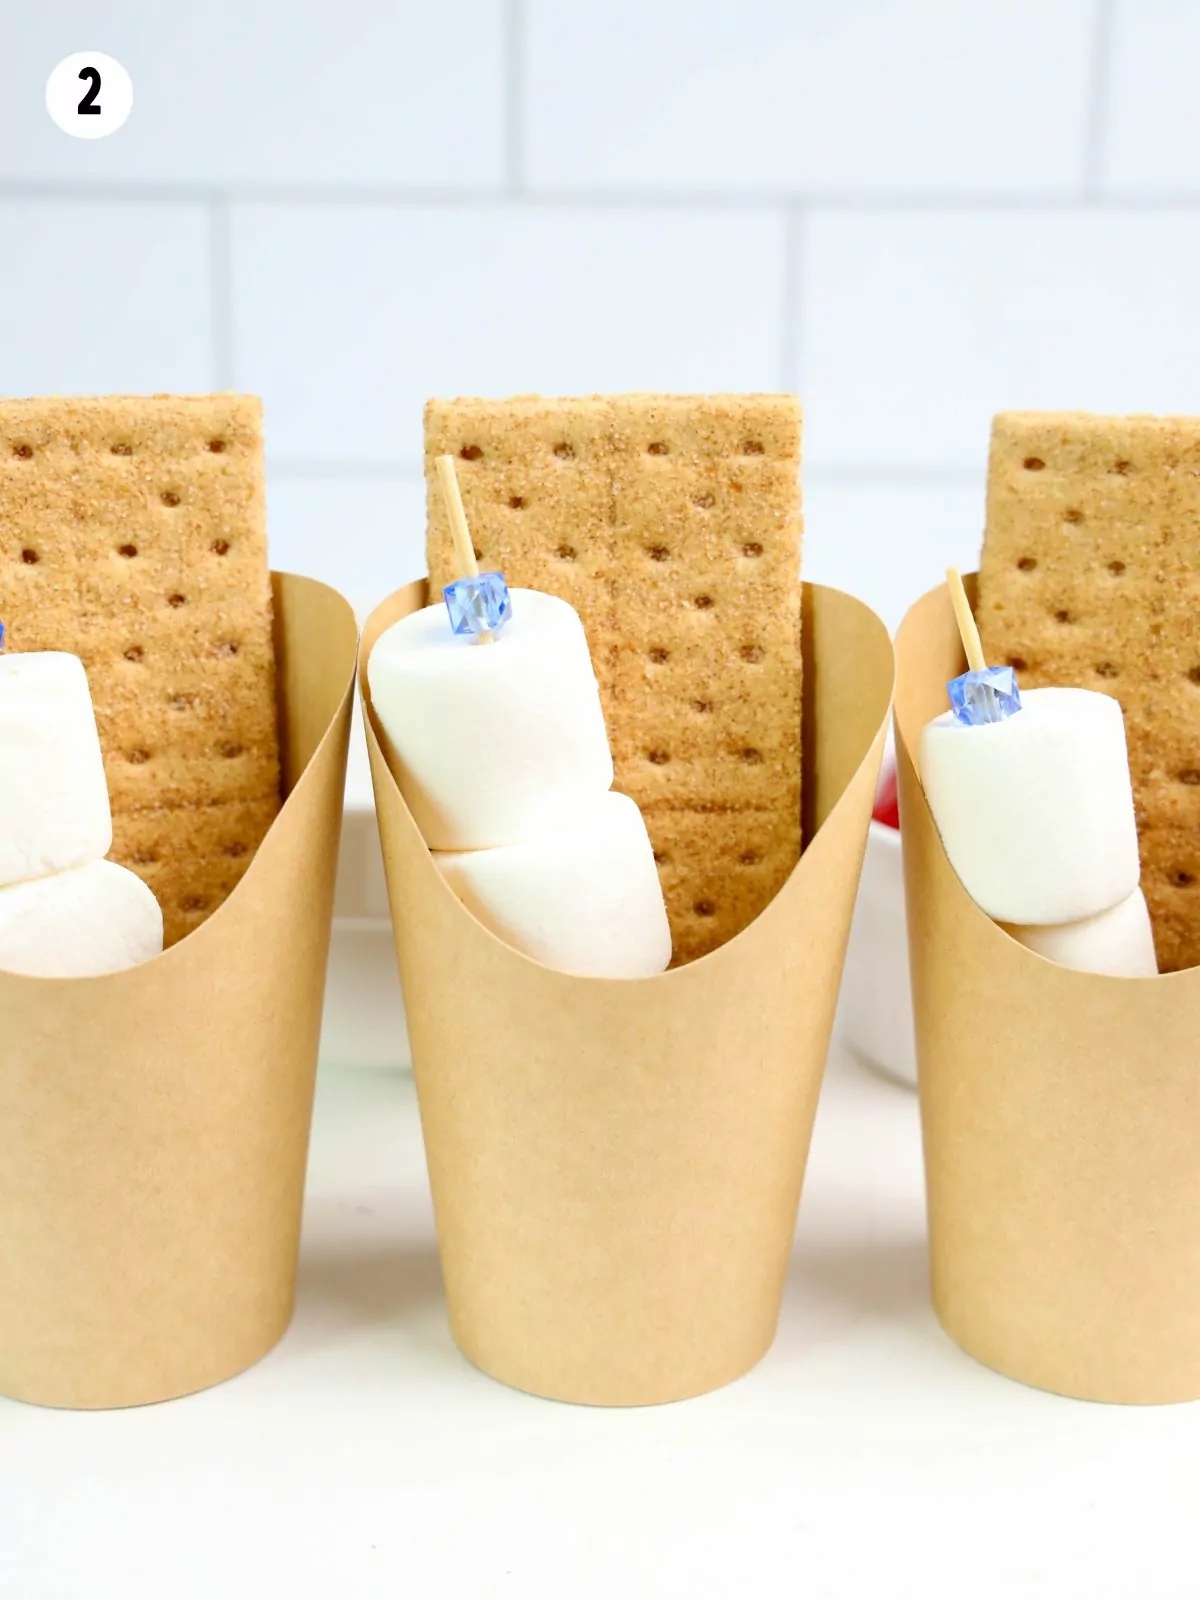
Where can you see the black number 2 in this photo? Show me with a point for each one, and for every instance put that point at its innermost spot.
(87, 106)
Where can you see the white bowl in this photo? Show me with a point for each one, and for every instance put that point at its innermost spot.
(875, 1014)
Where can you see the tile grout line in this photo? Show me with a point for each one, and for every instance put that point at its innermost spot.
(514, 99)
(791, 301)
(1099, 99)
(712, 201)
(220, 269)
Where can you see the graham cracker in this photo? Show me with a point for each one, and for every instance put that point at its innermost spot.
(133, 534)
(1091, 578)
(672, 524)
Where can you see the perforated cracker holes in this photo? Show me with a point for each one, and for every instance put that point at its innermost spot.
(155, 492)
(1110, 519)
(683, 516)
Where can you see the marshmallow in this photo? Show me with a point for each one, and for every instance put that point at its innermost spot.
(493, 742)
(582, 898)
(1118, 942)
(53, 795)
(79, 923)
(1036, 812)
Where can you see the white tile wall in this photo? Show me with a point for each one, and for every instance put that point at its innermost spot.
(803, 94)
(916, 211)
(384, 307)
(888, 543)
(99, 297)
(930, 323)
(253, 91)
(364, 537)
(1153, 141)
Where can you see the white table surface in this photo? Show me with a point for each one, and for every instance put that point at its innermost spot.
(364, 1457)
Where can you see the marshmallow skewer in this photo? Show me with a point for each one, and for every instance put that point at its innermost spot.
(1118, 942)
(65, 912)
(966, 621)
(1032, 798)
(492, 747)
(582, 895)
(460, 533)
(505, 764)
(1035, 810)
(489, 749)
(54, 810)
(982, 694)
(80, 923)
(464, 547)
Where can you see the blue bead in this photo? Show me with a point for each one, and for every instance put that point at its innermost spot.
(478, 605)
(987, 696)
(1, 638)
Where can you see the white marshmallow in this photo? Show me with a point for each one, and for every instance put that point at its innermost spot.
(1036, 812)
(583, 898)
(54, 809)
(494, 742)
(1118, 942)
(79, 923)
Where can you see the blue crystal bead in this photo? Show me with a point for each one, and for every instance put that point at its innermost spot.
(478, 605)
(1, 638)
(987, 696)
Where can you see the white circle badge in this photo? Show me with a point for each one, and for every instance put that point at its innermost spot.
(89, 95)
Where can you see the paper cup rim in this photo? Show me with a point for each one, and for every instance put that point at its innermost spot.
(202, 935)
(380, 771)
(907, 736)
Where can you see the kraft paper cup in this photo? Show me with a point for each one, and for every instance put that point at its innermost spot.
(1061, 1118)
(155, 1121)
(616, 1165)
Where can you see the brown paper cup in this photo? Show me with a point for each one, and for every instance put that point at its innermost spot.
(616, 1165)
(1060, 1118)
(155, 1122)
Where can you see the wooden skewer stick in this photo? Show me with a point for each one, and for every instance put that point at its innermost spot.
(464, 549)
(966, 622)
(464, 545)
